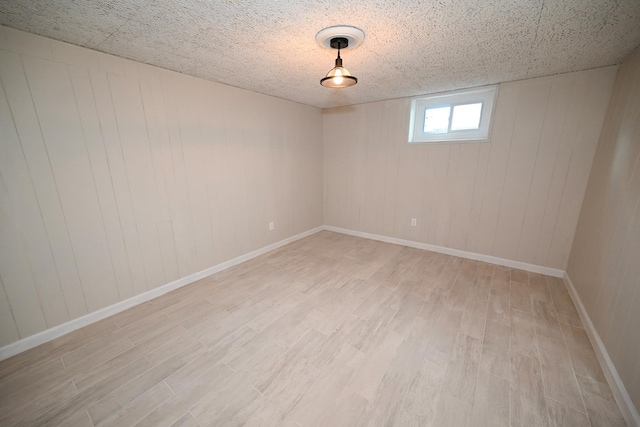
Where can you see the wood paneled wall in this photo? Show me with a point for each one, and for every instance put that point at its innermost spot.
(517, 197)
(118, 177)
(605, 259)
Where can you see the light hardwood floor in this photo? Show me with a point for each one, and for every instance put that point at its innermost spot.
(331, 330)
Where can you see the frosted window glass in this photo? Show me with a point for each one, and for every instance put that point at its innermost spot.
(436, 120)
(466, 116)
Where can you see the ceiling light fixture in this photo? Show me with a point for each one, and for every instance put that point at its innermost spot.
(339, 76)
(339, 37)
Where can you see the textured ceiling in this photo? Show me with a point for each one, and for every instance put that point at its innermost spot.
(411, 47)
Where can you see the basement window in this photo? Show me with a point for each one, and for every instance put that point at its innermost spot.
(459, 116)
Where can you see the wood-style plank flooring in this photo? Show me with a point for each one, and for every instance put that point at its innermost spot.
(331, 330)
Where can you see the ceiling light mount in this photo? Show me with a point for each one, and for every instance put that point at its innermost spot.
(339, 43)
(354, 36)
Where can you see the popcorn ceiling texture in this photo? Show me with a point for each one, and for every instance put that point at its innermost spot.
(411, 47)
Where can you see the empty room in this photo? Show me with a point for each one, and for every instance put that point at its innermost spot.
(320, 213)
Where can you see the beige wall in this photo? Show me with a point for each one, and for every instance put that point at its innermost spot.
(517, 197)
(117, 178)
(605, 259)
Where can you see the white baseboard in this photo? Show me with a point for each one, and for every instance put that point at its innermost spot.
(628, 409)
(72, 325)
(455, 252)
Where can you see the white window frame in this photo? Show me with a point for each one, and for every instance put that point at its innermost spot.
(486, 95)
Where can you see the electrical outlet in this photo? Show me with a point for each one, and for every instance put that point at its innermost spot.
(414, 222)
(272, 226)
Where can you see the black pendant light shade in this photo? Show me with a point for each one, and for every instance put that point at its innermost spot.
(339, 76)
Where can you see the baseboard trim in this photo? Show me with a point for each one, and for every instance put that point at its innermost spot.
(628, 409)
(72, 325)
(455, 252)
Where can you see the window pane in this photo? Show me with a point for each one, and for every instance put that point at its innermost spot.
(436, 120)
(466, 116)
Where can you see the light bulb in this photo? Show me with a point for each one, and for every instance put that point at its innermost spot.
(338, 80)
